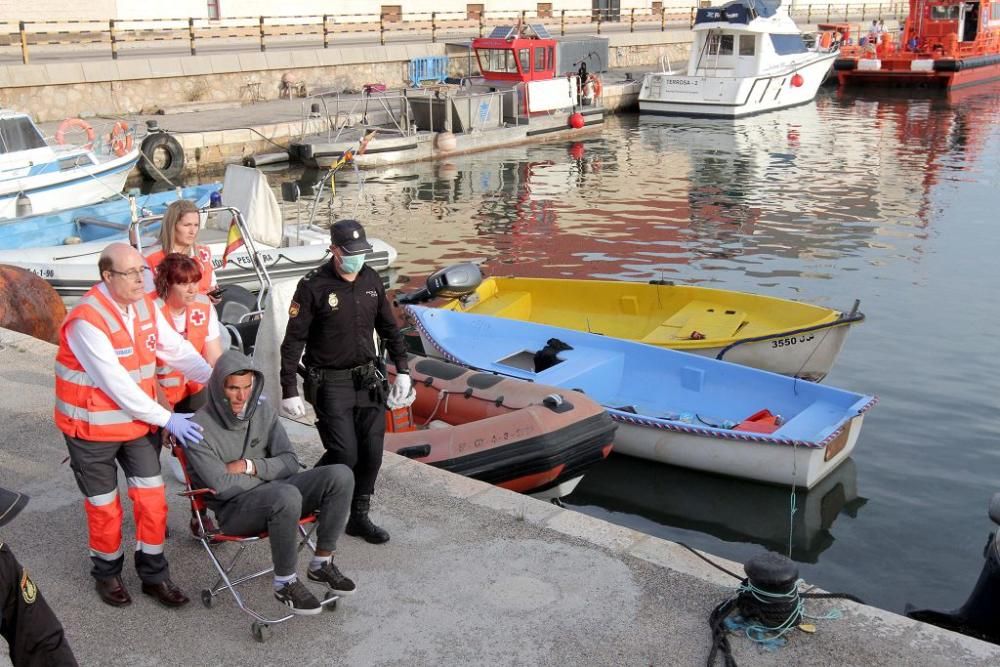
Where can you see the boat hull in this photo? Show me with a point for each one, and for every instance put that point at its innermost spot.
(503, 431)
(79, 186)
(852, 73)
(759, 461)
(670, 94)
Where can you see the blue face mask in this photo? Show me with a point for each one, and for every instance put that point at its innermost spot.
(352, 263)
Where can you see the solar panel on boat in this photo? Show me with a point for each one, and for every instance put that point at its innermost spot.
(502, 32)
(540, 30)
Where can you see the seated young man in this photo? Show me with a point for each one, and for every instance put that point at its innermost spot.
(259, 484)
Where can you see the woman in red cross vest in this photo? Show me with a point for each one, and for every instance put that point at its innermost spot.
(178, 296)
(179, 234)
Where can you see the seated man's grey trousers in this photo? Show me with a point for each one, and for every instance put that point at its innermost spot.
(277, 506)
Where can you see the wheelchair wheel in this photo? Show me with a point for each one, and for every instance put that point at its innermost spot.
(207, 598)
(260, 631)
(330, 606)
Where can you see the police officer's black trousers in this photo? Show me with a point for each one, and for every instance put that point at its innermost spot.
(351, 424)
(31, 629)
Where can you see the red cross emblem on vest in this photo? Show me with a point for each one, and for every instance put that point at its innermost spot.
(198, 318)
(203, 254)
(151, 342)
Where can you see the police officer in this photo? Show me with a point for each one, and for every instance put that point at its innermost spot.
(332, 315)
(32, 631)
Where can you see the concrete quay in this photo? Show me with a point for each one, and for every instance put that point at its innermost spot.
(473, 575)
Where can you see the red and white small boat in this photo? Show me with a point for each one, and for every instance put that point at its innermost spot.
(519, 435)
(944, 44)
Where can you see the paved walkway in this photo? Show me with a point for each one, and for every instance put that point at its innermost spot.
(473, 575)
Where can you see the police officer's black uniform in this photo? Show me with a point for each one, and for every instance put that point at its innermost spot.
(27, 623)
(334, 319)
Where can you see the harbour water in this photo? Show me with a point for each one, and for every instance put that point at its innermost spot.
(890, 200)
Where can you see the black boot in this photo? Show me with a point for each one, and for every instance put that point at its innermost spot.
(359, 525)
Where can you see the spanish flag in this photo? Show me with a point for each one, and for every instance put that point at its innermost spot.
(234, 240)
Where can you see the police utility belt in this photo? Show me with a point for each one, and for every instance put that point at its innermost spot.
(366, 376)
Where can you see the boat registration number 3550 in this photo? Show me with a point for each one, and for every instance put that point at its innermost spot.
(792, 340)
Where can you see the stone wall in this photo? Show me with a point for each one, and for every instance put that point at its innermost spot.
(56, 91)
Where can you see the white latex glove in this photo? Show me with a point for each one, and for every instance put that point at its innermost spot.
(293, 407)
(402, 393)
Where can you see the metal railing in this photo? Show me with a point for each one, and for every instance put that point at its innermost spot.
(325, 29)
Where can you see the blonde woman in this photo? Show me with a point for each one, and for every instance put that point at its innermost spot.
(179, 233)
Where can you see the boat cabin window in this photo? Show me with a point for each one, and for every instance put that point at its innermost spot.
(720, 45)
(525, 57)
(497, 60)
(787, 44)
(747, 44)
(948, 13)
(19, 134)
(543, 58)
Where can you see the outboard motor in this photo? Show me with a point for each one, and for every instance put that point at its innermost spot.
(450, 282)
(980, 615)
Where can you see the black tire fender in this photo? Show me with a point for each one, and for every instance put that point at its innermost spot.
(173, 164)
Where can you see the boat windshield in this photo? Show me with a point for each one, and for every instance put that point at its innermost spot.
(19, 134)
(949, 13)
(787, 44)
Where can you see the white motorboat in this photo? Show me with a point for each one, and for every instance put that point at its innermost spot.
(39, 177)
(747, 57)
(64, 247)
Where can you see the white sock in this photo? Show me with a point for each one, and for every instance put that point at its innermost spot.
(282, 581)
(319, 561)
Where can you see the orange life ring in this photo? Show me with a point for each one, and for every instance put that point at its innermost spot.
(75, 123)
(120, 138)
(597, 85)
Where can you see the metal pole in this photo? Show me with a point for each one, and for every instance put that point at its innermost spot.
(24, 42)
(381, 29)
(114, 40)
(191, 35)
(481, 22)
(263, 47)
(631, 20)
(829, 8)
(863, 13)
(809, 13)
(663, 19)
(433, 27)
(326, 33)
(562, 23)
(693, 12)
(600, 17)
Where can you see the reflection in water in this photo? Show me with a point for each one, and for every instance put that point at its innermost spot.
(734, 510)
(892, 201)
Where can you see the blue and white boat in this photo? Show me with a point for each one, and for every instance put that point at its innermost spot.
(63, 246)
(671, 406)
(43, 177)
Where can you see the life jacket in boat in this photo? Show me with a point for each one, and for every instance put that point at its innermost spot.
(82, 409)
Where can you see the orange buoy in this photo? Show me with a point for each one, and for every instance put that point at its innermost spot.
(576, 120)
(78, 124)
(120, 138)
(29, 305)
(797, 80)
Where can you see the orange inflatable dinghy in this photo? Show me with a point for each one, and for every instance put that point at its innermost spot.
(516, 434)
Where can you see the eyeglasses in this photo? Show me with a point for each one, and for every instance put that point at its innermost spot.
(132, 274)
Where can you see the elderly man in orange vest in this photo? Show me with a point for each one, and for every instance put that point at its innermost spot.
(106, 408)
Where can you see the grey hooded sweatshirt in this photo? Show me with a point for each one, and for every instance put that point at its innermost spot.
(256, 435)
